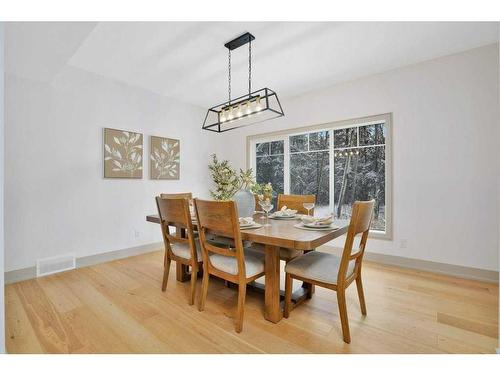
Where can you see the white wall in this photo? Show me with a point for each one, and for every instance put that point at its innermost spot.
(2, 307)
(445, 145)
(57, 201)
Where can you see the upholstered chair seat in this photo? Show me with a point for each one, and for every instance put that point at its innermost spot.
(318, 266)
(285, 254)
(254, 263)
(182, 250)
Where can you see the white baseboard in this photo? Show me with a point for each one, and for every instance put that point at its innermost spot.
(30, 272)
(417, 264)
(429, 266)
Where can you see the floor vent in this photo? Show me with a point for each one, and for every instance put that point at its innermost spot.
(57, 264)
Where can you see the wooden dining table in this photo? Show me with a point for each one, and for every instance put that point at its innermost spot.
(281, 233)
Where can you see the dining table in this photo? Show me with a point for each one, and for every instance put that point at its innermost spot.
(280, 233)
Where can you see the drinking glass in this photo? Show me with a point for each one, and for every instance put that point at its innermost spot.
(266, 206)
(308, 207)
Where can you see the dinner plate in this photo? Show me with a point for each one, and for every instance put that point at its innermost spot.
(246, 225)
(284, 217)
(301, 226)
(253, 226)
(311, 225)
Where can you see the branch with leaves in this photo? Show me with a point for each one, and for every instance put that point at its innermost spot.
(227, 181)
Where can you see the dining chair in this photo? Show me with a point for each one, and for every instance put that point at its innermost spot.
(334, 272)
(232, 263)
(181, 249)
(177, 195)
(257, 204)
(296, 202)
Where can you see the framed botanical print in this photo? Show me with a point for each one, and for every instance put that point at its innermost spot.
(123, 153)
(165, 158)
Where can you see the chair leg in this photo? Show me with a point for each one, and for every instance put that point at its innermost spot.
(310, 291)
(166, 270)
(194, 277)
(288, 295)
(361, 294)
(242, 291)
(343, 315)
(204, 290)
(311, 287)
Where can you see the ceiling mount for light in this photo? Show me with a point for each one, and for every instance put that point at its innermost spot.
(256, 106)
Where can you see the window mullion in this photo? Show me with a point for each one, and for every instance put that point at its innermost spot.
(332, 173)
(286, 165)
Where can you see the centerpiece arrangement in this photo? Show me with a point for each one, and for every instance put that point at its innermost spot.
(240, 187)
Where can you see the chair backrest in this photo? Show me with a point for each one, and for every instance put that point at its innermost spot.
(361, 217)
(257, 205)
(177, 195)
(175, 212)
(296, 202)
(220, 218)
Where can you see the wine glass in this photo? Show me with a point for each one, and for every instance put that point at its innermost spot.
(308, 207)
(266, 206)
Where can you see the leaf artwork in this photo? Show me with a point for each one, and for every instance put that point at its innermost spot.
(165, 158)
(122, 154)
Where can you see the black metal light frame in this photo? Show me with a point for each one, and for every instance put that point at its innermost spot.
(217, 110)
(265, 96)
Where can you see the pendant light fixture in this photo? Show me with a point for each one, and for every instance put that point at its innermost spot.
(256, 106)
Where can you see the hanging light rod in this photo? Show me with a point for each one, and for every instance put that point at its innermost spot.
(256, 106)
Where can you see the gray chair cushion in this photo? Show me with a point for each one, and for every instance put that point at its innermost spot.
(254, 263)
(285, 254)
(318, 266)
(182, 250)
(225, 240)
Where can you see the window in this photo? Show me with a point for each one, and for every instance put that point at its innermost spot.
(269, 164)
(338, 162)
(310, 166)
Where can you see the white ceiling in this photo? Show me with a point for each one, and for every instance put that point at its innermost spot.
(187, 60)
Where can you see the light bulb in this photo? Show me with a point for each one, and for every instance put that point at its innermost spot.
(249, 110)
(257, 104)
(239, 113)
(222, 116)
(230, 115)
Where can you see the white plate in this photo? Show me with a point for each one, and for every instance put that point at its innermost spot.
(246, 225)
(311, 225)
(283, 217)
(330, 227)
(253, 226)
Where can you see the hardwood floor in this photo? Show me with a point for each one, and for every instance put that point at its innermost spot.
(118, 307)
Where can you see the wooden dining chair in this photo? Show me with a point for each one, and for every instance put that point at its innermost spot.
(296, 202)
(232, 263)
(175, 212)
(257, 204)
(333, 272)
(177, 195)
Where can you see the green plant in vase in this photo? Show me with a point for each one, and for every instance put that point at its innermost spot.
(225, 179)
(263, 191)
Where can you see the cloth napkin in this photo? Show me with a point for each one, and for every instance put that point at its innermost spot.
(246, 220)
(318, 220)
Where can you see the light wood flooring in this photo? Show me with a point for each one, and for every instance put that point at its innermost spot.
(118, 307)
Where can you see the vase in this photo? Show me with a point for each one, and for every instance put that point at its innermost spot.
(245, 202)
